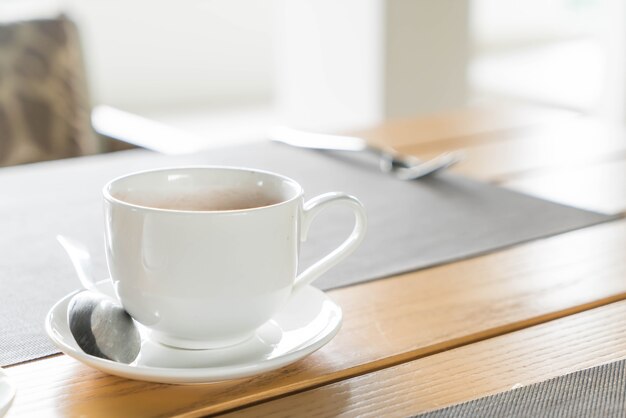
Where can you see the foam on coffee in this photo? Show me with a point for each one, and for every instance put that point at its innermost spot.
(214, 199)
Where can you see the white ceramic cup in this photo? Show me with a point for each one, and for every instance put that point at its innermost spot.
(208, 277)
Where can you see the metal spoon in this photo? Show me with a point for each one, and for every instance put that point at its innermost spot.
(98, 323)
(404, 167)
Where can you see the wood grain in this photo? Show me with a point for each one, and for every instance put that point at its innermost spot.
(481, 123)
(387, 322)
(521, 152)
(499, 364)
(580, 162)
(417, 315)
(600, 187)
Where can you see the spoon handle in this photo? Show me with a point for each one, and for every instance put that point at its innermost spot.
(302, 139)
(388, 158)
(81, 260)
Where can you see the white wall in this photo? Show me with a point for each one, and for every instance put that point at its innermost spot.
(328, 66)
(154, 54)
(343, 65)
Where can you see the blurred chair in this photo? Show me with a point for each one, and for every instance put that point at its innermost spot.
(44, 102)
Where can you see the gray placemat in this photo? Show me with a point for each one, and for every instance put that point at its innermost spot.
(596, 392)
(411, 224)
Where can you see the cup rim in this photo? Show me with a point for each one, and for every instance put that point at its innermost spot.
(109, 197)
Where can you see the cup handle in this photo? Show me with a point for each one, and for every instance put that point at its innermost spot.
(310, 211)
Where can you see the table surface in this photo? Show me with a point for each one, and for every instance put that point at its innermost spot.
(439, 336)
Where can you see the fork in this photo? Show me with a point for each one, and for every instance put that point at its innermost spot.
(404, 167)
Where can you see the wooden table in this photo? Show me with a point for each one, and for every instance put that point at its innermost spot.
(423, 340)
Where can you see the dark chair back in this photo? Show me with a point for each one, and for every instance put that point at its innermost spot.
(44, 105)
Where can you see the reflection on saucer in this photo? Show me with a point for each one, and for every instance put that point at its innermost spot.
(7, 393)
(308, 322)
(260, 346)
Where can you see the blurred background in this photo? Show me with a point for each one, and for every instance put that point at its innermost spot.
(226, 70)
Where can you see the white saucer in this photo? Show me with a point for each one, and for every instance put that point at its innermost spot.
(7, 393)
(306, 323)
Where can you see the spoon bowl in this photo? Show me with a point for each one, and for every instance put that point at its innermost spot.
(102, 328)
(98, 323)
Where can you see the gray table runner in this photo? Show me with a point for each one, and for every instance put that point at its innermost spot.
(412, 225)
(597, 392)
